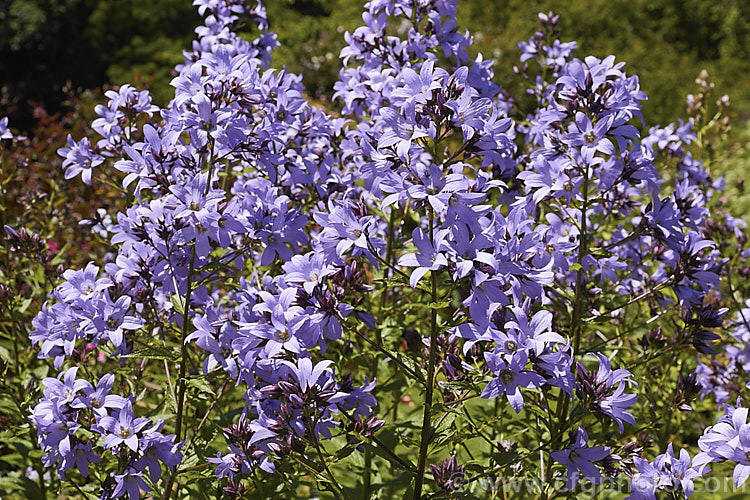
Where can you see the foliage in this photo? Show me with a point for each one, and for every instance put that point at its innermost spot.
(445, 290)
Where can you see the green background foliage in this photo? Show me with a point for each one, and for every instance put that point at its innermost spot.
(46, 43)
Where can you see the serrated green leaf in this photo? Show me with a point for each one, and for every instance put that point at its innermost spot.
(169, 398)
(155, 352)
(458, 385)
(440, 305)
(196, 474)
(214, 265)
(201, 384)
(189, 461)
(412, 365)
(397, 280)
(447, 422)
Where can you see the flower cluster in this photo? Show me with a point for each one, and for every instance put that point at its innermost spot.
(71, 415)
(728, 440)
(665, 473)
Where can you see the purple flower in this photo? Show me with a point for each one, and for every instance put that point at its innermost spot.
(309, 269)
(79, 457)
(99, 399)
(741, 455)
(123, 429)
(418, 87)
(402, 131)
(666, 472)
(578, 459)
(590, 137)
(82, 284)
(79, 159)
(448, 475)
(729, 440)
(4, 132)
(469, 113)
(113, 319)
(157, 448)
(131, 482)
(646, 481)
(430, 256)
(510, 377)
(64, 389)
(596, 389)
(281, 333)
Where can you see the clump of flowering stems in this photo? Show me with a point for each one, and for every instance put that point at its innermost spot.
(437, 277)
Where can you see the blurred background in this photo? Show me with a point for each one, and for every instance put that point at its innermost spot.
(52, 47)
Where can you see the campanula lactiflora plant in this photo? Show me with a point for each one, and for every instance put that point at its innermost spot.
(436, 290)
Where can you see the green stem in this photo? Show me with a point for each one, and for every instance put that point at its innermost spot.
(183, 349)
(331, 479)
(182, 381)
(575, 322)
(430, 382)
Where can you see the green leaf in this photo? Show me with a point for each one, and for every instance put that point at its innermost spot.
(505, 458)
(575, 266)
(189, 461)
(214, 265)
(155, 352)
(196, 474)
(382, 454)
(25, 305)
(23, 484)
(345, 452)
(458, 385)
(60, 256)
(5, 354)
(412, 365)
(169, 397)
(440, 305)
(397, 280)
(202, 385)
(178, 301)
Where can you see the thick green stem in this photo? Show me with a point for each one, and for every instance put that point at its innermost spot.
(182, 381)
(575, 321)
(563, 402)
(430, 382)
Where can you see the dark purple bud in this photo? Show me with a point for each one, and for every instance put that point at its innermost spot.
(413, 339)
(6, 294)
(701, 340)
(448, 475)
(368, 426)
(234, 490)
(11, 232)
(452, 367)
